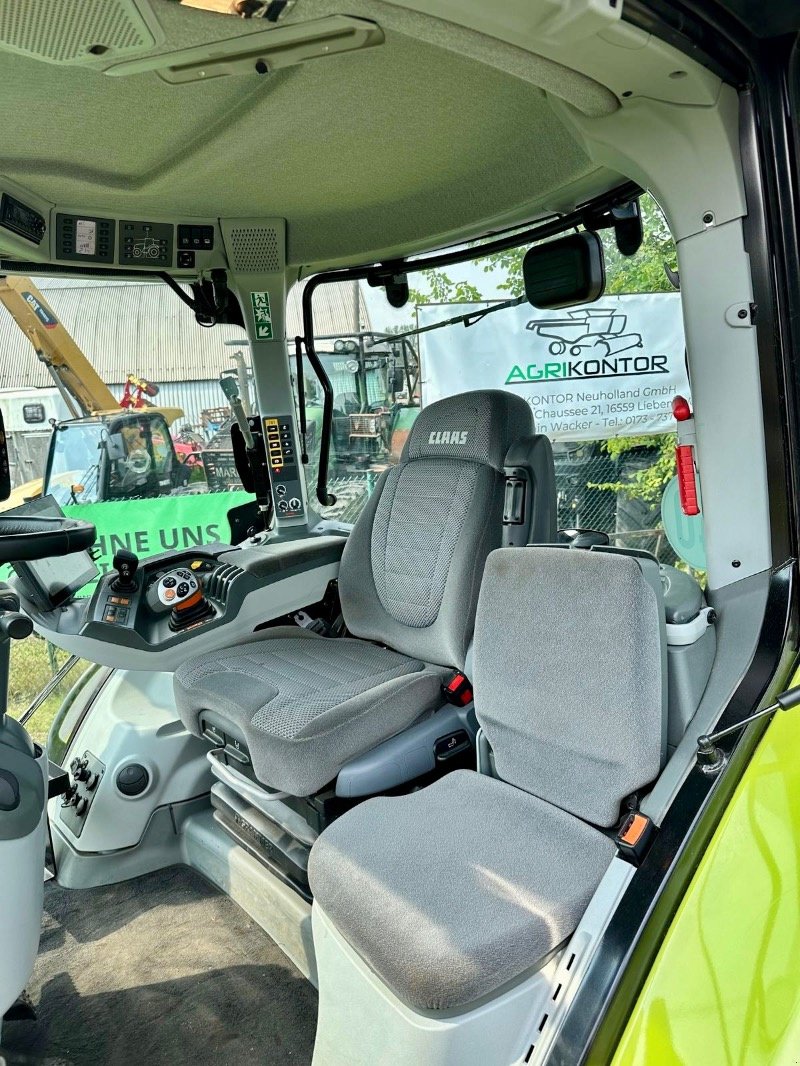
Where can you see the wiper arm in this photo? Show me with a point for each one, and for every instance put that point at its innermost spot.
(468, 319)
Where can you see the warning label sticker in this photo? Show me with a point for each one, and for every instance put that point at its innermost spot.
(262, 315)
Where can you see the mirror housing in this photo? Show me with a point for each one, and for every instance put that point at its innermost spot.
(565, 272)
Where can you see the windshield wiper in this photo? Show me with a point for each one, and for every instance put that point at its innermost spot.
(470, 318)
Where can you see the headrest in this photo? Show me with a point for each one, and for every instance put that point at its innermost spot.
(569, 666)
(478, 426)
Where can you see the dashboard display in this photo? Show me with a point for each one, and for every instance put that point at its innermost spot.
(51, 582)
(85, 236)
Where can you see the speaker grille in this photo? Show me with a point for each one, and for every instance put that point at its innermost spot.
(254, 250)
(69, 31)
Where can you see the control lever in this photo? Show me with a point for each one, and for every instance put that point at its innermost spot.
(254, 451)
(230, 386)
(183, 592)
(126, 564)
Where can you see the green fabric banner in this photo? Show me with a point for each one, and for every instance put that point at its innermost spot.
(166, 523)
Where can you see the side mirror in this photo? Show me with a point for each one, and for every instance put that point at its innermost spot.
(564, 272)
(115, 446)
(5, 469)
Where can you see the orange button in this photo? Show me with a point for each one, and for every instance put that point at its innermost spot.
(169, 594)
(637, 823)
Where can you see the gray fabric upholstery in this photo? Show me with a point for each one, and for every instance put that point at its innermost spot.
(453, 891)
(568, 676)
(412, 566)
(411, 559)
(409, 579)
(306, 704)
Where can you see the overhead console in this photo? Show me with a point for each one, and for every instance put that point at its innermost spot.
(32, 229)
(152, 616)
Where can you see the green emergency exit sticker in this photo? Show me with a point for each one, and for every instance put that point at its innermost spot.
(262, 314)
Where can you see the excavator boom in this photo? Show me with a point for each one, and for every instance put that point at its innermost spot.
(80, 385)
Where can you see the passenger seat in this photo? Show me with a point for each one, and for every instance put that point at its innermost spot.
(453, 892)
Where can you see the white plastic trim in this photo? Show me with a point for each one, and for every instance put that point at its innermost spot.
(689, 632)
(362, 1023)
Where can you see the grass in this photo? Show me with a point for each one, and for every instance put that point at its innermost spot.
(33, 663)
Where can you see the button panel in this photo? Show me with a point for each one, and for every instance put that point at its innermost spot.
(116, 610)
(279, 438)
(86, 773)
(146, 243)
(176, 587)
(196, 238)
(85, 239)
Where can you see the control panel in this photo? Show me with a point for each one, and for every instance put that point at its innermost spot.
(279, 434)
(86, 772)
(21, 219)
(116, 609)
(181, 592)
(84, 238)
(146, 243)
(74, 233)
(176, 587)
(133, 622)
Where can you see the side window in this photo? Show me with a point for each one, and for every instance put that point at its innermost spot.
(375, 382)
(600, 379)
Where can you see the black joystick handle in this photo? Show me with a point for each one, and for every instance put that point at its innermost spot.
(126, 564)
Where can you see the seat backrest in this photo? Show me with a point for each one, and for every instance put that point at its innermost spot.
(568, 676)
(412, 567)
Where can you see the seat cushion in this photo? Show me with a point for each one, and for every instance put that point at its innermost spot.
(306, 704)
(453, 891)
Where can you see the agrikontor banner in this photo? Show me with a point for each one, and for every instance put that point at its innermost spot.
(607, 369)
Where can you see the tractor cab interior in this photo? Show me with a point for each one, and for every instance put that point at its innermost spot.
(411, 756)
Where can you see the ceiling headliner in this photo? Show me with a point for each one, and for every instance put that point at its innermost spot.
(393, 147)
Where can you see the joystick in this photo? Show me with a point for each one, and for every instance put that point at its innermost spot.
(126, 564)
(183, 592)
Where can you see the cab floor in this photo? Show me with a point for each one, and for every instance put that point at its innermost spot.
(162, 969)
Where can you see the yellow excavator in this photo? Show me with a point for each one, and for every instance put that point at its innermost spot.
(110, 449)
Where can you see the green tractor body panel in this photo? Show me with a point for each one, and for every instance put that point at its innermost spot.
(725, 985)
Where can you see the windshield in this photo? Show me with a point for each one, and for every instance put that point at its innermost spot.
(75, 463)
(600, 379)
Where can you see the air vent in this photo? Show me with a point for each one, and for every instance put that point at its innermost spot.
(66, 31)
(218, 584)
(254, 250)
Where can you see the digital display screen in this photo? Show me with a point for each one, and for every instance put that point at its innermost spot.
(85, 236)
(51, 582)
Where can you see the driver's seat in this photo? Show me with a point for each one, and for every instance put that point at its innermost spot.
(409, 579)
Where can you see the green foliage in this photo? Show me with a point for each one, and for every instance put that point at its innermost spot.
(33, 664)
(440, 288)
(643, 272)
(649, 483)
